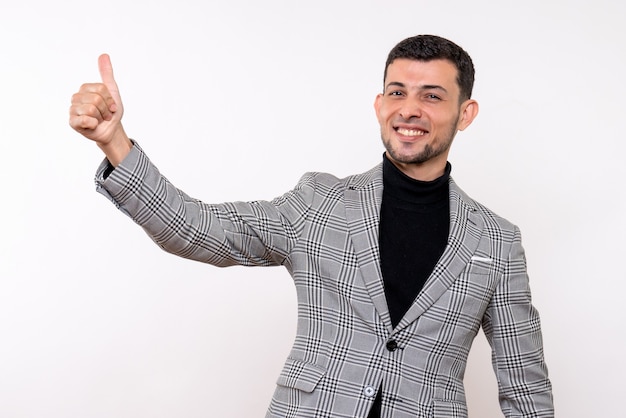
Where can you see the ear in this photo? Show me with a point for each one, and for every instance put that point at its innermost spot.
(377, 104)
(469, 110)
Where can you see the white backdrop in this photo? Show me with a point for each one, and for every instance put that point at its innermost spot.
(235, 100)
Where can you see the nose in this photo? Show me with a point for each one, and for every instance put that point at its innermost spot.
(410, 109)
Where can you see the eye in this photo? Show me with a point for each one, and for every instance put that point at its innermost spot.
(395, 93)
(432, 96)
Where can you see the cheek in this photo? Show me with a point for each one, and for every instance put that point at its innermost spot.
(446, 123)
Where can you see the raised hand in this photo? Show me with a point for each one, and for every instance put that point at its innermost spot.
(96, 113)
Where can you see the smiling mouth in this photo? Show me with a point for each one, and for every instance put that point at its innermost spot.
(410, 132)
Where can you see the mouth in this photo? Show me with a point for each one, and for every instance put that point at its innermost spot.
(410, 132)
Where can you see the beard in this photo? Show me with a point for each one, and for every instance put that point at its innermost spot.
(438, 147)
(426, 154)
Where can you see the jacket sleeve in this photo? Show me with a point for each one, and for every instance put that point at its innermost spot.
(512, 327)
(240, 233)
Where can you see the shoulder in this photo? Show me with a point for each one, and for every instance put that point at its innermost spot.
(327, 181)
(314, 186)
(492, 220)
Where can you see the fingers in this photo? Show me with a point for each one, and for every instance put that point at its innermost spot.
(83, 123)
(93, 100)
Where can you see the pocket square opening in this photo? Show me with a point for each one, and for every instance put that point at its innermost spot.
(483, 259)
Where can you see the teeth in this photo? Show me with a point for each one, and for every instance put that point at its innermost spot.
(410, 132)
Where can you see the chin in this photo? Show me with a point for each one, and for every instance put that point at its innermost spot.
(406, 156)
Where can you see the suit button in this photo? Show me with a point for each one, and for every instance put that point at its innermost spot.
(369, 391)
(392, 345)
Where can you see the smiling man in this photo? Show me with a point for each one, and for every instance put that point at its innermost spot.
(420, 112)
(396, 269)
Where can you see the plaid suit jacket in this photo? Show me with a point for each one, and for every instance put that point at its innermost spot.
(325, 232)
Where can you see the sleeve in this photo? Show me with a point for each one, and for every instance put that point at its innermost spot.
(260, 233)
(513, 329)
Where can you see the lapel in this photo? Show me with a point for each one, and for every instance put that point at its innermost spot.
(466, 227)
(363, 198)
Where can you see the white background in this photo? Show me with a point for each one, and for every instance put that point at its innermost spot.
(235, 100)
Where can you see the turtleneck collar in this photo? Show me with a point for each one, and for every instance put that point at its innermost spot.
(398, 185)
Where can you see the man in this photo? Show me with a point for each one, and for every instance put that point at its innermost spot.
(395, 269)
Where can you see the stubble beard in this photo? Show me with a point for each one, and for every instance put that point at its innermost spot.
(426, 154)
(423, 156)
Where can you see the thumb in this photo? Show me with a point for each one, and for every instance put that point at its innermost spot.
(106, 74)
(106, 71)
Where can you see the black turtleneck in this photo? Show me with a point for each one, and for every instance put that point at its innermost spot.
(414, 224)
(413, 232)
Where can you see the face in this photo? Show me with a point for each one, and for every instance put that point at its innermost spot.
(419, 113)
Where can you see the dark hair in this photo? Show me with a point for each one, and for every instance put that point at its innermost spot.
(431, 47)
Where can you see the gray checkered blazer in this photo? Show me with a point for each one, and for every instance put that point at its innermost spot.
(325, 233)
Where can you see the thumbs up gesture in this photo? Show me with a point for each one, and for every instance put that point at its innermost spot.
(96, 113)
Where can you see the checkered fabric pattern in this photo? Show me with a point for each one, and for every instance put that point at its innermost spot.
(325, 233)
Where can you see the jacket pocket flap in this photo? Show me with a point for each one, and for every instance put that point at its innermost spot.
(442, 408)
(300, 375)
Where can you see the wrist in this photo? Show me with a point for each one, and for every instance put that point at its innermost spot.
(117, 148)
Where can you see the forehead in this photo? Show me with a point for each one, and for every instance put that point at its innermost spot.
(410, 72)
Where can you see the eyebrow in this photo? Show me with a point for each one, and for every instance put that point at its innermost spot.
(423, 87)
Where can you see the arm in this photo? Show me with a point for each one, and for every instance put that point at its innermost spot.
(257, 233)
(513, 330)
(96, 113)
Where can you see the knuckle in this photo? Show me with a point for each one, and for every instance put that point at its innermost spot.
(77, 98)
(93, 110)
